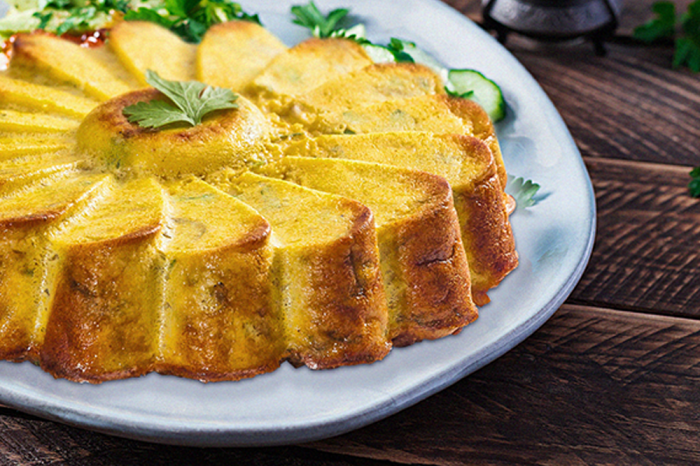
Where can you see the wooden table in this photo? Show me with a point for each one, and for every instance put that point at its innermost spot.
(613, 377)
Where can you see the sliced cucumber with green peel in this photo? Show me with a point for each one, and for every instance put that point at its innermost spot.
(484, 91)
(379, 53)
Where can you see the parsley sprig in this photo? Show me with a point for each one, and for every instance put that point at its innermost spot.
(683, 29)
(189, 102)
(322, 26)
(190, 19)
(523, 191)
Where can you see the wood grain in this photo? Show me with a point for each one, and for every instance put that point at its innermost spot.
(646, 256)
(628, 105)
(592, 386)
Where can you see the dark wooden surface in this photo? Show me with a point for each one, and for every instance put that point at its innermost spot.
(613, 378)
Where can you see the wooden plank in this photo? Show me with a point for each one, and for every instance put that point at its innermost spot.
(25, 440)
(592, 386)
(629, 104)
(646, 256)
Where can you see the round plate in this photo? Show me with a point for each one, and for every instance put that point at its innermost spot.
(554, 240)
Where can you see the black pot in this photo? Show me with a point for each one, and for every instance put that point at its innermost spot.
(553, 20)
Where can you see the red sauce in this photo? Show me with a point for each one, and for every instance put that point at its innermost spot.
(88, 39)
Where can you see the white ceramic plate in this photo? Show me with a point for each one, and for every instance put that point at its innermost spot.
(554, 240)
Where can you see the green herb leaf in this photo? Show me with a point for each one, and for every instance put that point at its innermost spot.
(156, 113)
(461, 95)
(687, 38)
(190, 19)
(309, 16)
(662, 26)
(523, 191)
(147, 14)
(44, 19)
(688, 45)
(189, 102)
(694, 185)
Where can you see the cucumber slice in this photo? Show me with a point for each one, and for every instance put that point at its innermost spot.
(379, 53)
(485, 92)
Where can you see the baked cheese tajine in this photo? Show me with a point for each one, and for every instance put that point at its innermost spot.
(341, 208)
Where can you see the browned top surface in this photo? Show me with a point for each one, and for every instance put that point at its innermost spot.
(612, 378)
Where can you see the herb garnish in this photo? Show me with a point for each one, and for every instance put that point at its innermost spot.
(189, 102)
(190, 19)
(523, 191)
(664, 26)
(461, 95)
(60, 16)
(309, 16)
(398, 48)
(694, 185)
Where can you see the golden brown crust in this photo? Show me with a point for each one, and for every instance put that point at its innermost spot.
(222, 294)
(421, 253)
(343, 295)
(487, 236)
(433, 264)
(231, 137)
(223, 320)
(103, 325)
(482, 128)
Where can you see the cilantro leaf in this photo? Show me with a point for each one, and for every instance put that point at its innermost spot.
(662, 26)
(694, 185)
(523, 191)
(189, 102)
(309, 16)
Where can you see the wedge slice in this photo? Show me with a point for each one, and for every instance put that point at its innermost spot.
(11, 147)
(15, 121)
(308, 65)
(370, 85)
(143, 46)
(468, 165)
(233, 53)
(67, 61)
(220, 321)
(436, 113)
(21, 172)
(423, 262)
(326, 271)
(104, 318)
(44, 98)
(25, 219)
